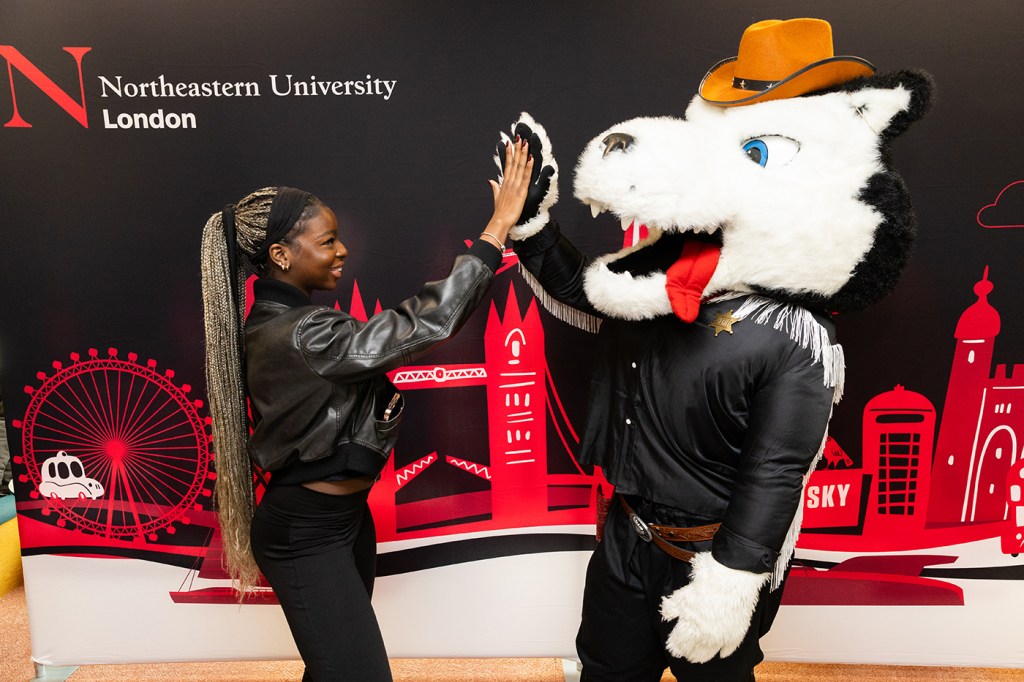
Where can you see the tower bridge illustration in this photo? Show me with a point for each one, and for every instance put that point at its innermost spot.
(521, 405)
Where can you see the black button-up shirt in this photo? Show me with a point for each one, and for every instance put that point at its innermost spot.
(720, 428)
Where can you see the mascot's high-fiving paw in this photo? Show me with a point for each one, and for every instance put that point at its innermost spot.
(543, 192)
(713, 610)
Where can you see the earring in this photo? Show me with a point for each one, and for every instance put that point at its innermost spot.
(285, 267)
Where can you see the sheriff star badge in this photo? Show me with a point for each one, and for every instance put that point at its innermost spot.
(723, 322)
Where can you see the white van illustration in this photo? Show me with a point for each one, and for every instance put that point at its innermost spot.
(63, 476)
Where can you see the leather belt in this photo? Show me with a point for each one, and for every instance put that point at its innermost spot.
(662, 536)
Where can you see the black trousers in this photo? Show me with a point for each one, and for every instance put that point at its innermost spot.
(319, 552)
(622, 636)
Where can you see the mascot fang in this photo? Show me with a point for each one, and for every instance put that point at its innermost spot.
(770, 205)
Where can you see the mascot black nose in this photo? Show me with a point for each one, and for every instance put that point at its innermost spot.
(616, 142)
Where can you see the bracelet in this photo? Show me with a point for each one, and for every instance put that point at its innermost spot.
(501, 247)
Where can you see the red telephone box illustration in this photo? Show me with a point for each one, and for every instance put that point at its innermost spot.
(899, 428)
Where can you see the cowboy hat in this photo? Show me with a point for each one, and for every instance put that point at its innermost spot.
(779, 59)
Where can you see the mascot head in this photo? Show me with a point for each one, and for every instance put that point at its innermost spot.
(777, 181)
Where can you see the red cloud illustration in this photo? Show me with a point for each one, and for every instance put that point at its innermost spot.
(1005, 211)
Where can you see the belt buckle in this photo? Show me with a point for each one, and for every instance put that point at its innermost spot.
(640, 527)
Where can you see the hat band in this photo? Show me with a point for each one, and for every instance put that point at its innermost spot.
(757, 86)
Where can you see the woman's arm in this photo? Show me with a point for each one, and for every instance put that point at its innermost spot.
(341, 348)
(510, 195)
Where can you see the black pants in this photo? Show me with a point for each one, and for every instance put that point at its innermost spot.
(319, 552)
(622, 636)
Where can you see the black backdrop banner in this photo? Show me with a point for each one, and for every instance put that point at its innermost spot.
(127, 124)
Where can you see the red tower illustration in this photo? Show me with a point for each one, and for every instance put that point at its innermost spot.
(979, 436)
(516, 405)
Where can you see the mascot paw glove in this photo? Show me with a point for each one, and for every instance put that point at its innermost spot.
(713, 611)
(543, 190)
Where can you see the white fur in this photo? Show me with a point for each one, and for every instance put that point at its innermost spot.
(713, 610)
(620, 294)
(799, 226)
(536, 223)
(877, 107)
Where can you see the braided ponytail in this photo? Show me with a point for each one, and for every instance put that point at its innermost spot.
(223, 317)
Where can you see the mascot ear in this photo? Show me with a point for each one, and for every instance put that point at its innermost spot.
(890, 102)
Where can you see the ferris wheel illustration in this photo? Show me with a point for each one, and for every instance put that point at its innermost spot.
(127, 435)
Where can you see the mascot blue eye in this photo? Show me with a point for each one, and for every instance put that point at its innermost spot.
(771, 151)
(757, 151)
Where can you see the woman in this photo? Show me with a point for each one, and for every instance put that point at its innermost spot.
(325, 414)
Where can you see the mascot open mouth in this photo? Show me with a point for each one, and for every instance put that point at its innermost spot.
(680, 262)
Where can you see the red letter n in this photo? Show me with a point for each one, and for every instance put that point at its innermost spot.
(16, 60)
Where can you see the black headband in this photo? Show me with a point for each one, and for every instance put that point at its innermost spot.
(285, 211)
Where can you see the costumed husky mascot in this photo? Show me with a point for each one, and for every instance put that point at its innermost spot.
(769, 206)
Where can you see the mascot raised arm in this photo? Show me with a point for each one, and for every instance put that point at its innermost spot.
(769, 206)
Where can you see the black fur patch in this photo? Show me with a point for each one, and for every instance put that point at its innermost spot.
(878, 272)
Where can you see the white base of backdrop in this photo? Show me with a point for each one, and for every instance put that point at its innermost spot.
(982, 632)
(92, 610)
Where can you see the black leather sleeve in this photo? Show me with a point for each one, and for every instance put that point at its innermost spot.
(557, 265)
(342, 349)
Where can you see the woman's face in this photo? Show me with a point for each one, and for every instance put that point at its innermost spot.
(315, 257)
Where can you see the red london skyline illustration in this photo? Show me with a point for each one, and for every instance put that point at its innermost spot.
(924, 479)
(914, 490)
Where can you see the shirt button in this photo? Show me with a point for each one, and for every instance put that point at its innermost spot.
(628, 422)
(633, 365)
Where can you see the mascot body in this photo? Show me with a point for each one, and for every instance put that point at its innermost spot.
(769, 206)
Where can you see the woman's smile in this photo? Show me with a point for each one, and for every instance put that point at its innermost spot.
(316, 258)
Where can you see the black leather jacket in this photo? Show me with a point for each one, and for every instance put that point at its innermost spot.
(710, 428)
(316, 376)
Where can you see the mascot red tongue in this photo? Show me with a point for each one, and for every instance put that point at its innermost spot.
(688, 277)
(780, 172)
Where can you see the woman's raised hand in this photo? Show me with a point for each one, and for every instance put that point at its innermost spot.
(510, 195)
